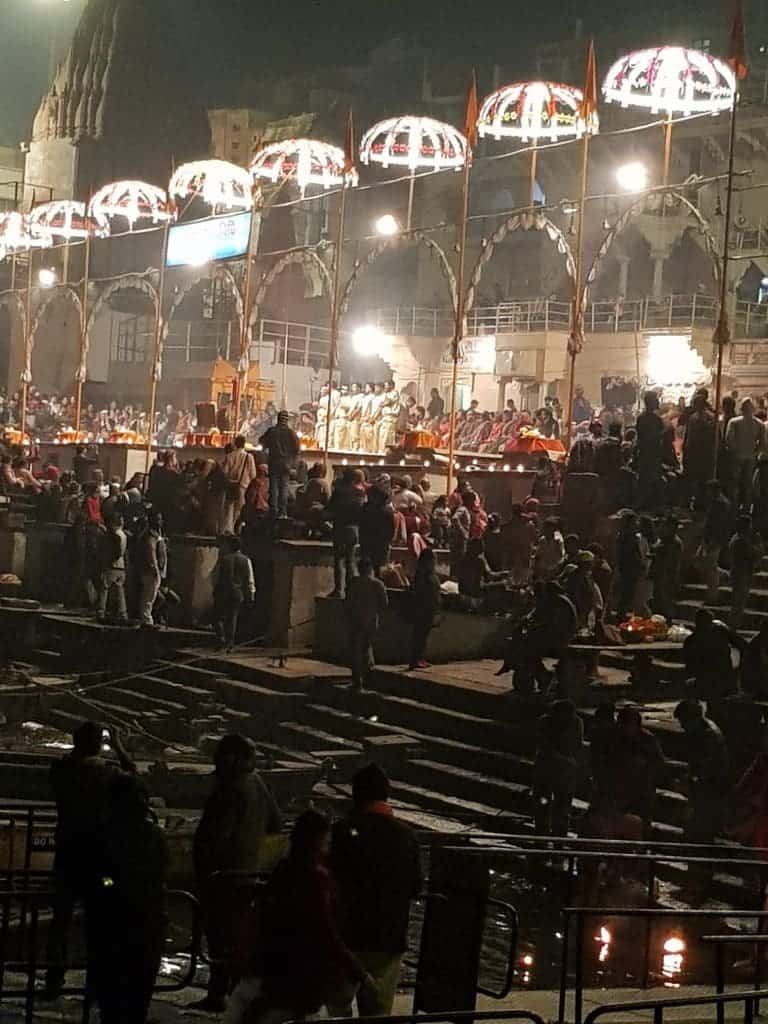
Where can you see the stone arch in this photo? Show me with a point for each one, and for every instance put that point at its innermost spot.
(13, 298)
(413, 238)
(221, 274)
(299, 257)
(633, 211)
(519, 222)
(67, 351)
(128, 282)
(10, 360)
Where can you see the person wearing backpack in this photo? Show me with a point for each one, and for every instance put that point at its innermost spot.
(112, 545)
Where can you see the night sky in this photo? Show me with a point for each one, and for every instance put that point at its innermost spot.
(227, 40)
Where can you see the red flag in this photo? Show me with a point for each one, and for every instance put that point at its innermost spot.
(349, 146)
(737, 46)
(473, 112)
(588, 113)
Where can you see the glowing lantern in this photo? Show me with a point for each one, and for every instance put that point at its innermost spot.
(134, 201)
(306, 161)
(414, 142)
(222, 185)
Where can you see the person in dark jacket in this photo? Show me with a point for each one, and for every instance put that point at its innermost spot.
(708, 772)
(81, 783)
(282, 447)
(425, 605)
(238, 814)
(305, 963)
(650, 429)
(665, 569)
(126, 910)
(375, 863)
(556, 768)
(707, 655)
(377, 528)
(754, 665)
(344, 510)
(629, 563)
(746, 551)
(366, 603)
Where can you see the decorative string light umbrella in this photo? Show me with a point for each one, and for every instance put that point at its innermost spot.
(222, 185)
(64, 219)
(670, 80)
(530, 111)
(306, 161)
(19, 234)
(133, 201)
(415, 143)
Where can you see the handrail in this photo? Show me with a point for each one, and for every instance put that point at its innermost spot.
(448, 1017)
(657, 1006)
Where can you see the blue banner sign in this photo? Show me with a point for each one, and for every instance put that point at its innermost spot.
(206, 241)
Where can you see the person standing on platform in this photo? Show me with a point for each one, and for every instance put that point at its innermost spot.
(377, 528)
(665, 569)
(375, 864)
(744, 441)
(390, 410)
(556, 768)
(321, 417)
(281, 444)
(113, 543)
(425, 607)
(340, 442)
(377, 414)
(354, 414)
(368, 420)
(239, 470)
(581, 411)
(699, 447)
(650, 430)
(344, 510)
(366, 603)
(152, 564)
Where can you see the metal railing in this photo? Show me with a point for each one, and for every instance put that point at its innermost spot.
(577, 915)
(527, 316)
(283, 343)
(22, 912)
(449, 1017)
(656, 1007)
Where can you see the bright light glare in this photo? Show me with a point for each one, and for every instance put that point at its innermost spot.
(46, 277)
(387, 226)
(632, 177)
(674, 945)
(672, 360)
(367, 340)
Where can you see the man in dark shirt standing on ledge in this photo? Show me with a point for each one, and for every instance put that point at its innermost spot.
(282, 447)
(375, 863)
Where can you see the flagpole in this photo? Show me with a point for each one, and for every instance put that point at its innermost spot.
(335, 317)
(81, 370)
(575, 336)
(458, 329)
(158, 354)
(722, 330)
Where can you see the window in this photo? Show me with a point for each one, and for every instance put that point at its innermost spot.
(235, 145)
(235, 127)
(129, 346)
(705, 45)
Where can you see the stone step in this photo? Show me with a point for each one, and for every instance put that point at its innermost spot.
(185, 694)
(752, 621)
(133, 697)
(456, 725)
(258, 700)
(482, 815)
(190, 674)
(342, 724)
(305, 738)
(261, 673)
(467, 785)
(416, 686)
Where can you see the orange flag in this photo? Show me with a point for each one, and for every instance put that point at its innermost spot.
(473, 112)
(588, 112)
(737, 46)
(349, 146)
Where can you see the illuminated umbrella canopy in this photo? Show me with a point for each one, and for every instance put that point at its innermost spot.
(307, 161)
(534, 110)
(61, 218)
(220, 184)
(670, 79)
(19, 234)
(134, 201)
(413, 142)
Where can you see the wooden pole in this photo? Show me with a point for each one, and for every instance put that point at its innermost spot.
(26, 372)
(335, 317)
(81, 370)
(722, 334)
(577, 314)
(158, 353)
(411, 190)
(241, 389)
(667, 153)
(458, 329)
(534, 161)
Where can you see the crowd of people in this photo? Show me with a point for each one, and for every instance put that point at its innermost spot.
(328, 930)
